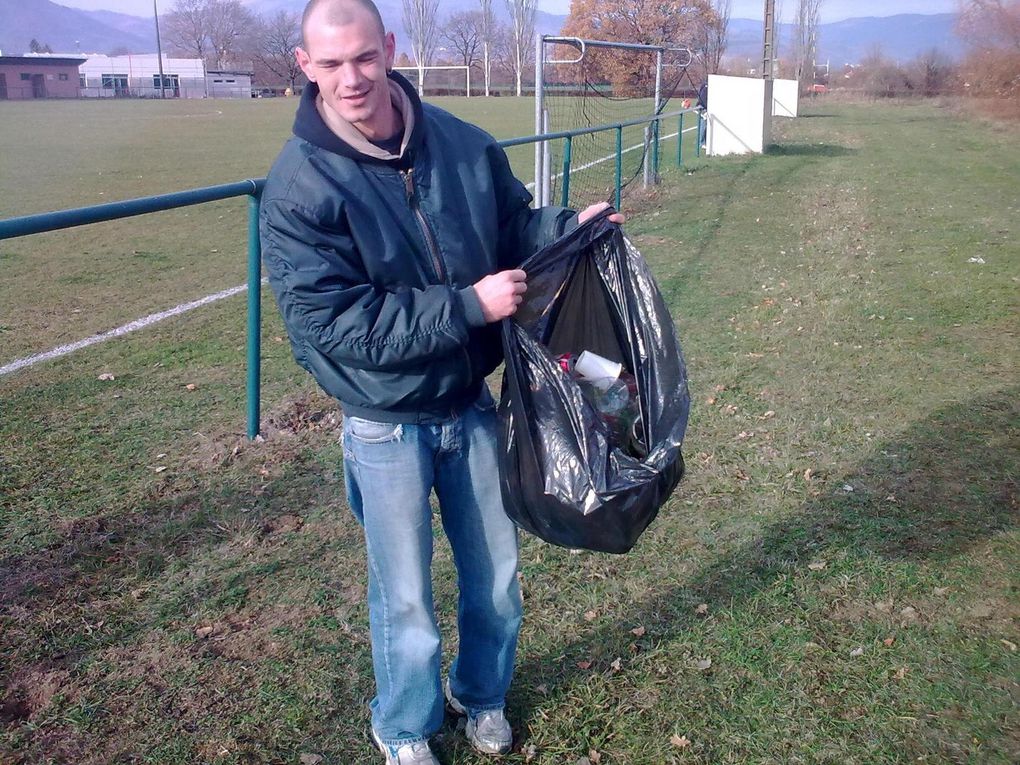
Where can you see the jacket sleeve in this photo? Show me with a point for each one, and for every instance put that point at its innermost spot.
(524, 230)
(327, 301)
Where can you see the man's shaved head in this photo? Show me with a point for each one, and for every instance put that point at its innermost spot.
(339, 13)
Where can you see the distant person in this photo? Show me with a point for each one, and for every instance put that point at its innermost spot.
(703, 107)
(391, 233)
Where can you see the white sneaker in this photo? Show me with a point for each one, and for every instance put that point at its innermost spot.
(417, 753)
(488, 731)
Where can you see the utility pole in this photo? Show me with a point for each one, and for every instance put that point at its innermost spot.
(768, 54)
(159, 51)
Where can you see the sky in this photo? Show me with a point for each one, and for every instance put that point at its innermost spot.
(832, 10)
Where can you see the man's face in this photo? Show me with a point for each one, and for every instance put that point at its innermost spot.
(349, 63)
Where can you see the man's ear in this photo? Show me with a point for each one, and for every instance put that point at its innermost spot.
(305, 62)
(391, 50)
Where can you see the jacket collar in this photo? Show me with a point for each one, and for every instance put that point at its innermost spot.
(340, 137)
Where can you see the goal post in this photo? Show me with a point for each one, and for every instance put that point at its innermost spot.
(448, 79)
(584, 83)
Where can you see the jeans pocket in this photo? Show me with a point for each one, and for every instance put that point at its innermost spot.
(372, 432)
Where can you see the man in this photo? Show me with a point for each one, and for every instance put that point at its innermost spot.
(391, 234)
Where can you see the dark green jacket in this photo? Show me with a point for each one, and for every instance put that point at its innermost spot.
(372, 260)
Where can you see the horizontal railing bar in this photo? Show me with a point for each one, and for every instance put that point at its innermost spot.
(52, 221)
(598, 128)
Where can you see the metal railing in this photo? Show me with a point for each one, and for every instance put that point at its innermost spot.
(252, 189)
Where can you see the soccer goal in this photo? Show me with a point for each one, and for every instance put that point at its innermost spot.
(585, 83)
(452, 80)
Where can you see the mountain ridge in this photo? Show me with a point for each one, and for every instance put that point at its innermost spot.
(901, 37)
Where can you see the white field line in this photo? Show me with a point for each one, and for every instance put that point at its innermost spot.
(153, 318)
(131, 326)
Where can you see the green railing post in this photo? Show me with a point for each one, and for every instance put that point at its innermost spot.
(254, 317)
(680, 142)
(566, 172)
(619, 166)
(697, 136)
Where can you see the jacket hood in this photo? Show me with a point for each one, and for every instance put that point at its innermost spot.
(310, 126)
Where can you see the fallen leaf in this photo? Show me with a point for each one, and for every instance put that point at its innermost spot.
(1008, 643)
(586, 664)
(909, 612)
(595, 757)
(638, 631)
(701, 609)
(704, 664)
(900, 673)
(719, 388)
(710, 400)
(941, 591)
(817, 565)
(885, 606)
(106, 377)
(203, 632)
(808, 474)
(768, 415)
(310, 759)
(191, 386)
(529, 752)
(680, 742)
(846, 488)
(617, 665)
(859, 651)
(159, 469)
(543, 689)
(590, 616)
(889, 641)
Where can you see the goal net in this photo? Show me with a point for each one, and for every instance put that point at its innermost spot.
(452, 80)
(586, 83)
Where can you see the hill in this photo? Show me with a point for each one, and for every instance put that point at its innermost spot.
(67, 30)
(902, 37)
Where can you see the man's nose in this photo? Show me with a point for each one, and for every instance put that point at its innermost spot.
(350, 77)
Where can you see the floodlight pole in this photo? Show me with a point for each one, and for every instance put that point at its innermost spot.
(768, 55)
(159, 51)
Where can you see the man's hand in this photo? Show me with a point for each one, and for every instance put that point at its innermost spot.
(501, 293)
(590, 212)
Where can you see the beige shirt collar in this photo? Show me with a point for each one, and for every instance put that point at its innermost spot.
(353, 137)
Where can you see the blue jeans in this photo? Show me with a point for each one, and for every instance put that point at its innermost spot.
(390, 472)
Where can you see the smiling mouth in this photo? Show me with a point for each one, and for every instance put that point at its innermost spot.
(358, 97)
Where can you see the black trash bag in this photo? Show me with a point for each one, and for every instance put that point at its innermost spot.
(563, 478)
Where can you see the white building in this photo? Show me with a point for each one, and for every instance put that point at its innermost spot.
(137, 76)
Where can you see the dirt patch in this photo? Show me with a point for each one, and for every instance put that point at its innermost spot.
(30, 691)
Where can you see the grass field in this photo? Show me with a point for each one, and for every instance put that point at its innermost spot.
(834, 582)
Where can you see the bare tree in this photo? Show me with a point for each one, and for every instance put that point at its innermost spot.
(184, 27)
(805, 41)
(488, 33)
(214, 30)
(715, 33)
(463, 33)
(229, 26)
(276, 39)
(522, 25)
(420, 20)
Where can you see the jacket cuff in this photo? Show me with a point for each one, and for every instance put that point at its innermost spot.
(472, 307)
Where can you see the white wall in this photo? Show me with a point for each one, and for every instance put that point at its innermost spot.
(785, 95)
(736, 115)
(142, 65)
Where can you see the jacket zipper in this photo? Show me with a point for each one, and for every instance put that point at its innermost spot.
(430, 240)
